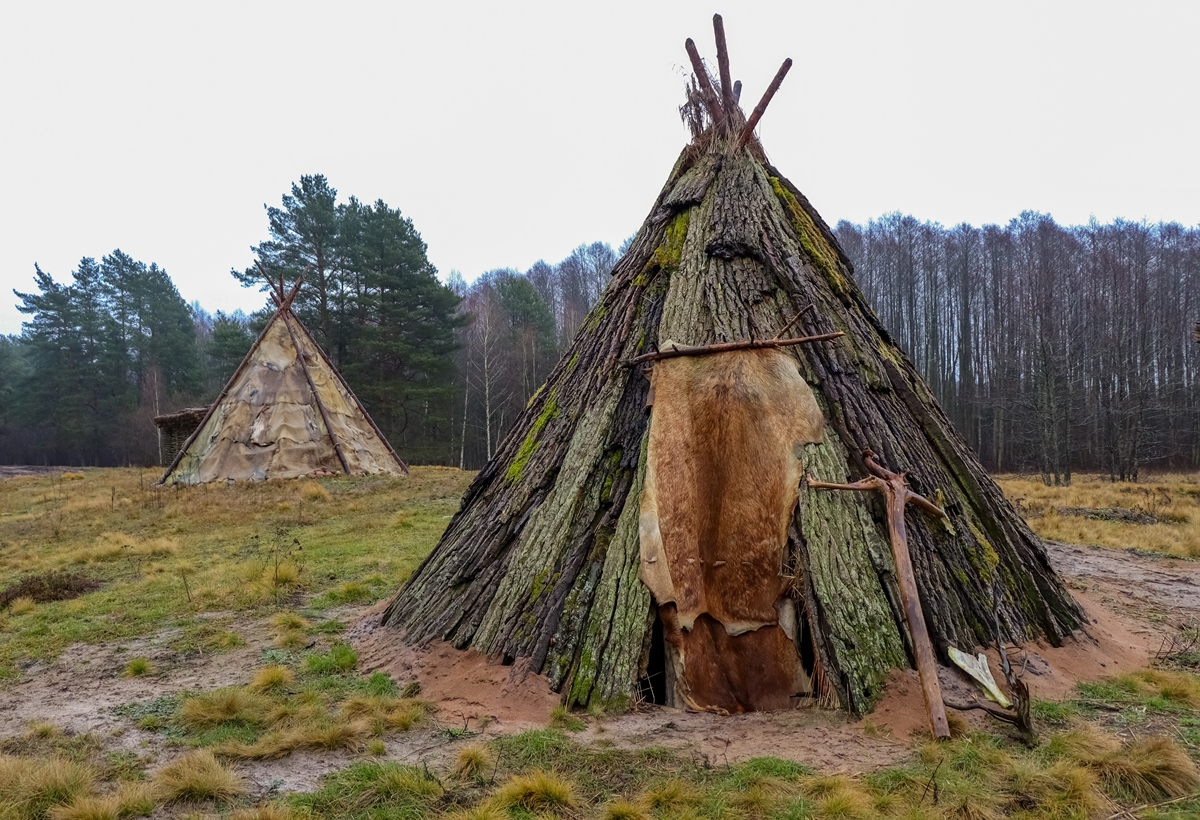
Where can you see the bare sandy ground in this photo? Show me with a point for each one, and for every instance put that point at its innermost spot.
(1133, 602)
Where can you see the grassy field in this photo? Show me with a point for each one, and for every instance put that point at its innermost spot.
(186, 553)
(203, 562)
(1167, 509)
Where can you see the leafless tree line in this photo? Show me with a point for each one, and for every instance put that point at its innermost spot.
(1053, 349)
(519, 324)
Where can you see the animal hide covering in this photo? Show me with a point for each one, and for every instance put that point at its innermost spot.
(722, 481)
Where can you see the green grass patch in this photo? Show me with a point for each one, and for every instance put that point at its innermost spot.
(387, 791)
(196, 550)
(339, 659)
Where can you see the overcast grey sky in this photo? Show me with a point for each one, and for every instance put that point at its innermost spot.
(513, 132)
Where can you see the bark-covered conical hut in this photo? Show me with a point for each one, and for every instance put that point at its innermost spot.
(648, 533)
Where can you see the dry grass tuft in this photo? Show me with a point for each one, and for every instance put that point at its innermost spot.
(272, 678)
(484, 811)
(670, 796)
(845, 805)
(289, 620)
(312, 491)
(537, 791)
(137, 667)
(230, 705)
(30, 787)
(135, 799)
(312, 733)
(20, 606)
(107, 807)
(376, 748)
(290, 639)
(283, 574)
(624, 810)
(968, 808)
(959, 726)
(825, 785)
(197, 775)
(336, 736)
(473, 761)
(267, 811)
(42, 729)
(386, 712)
(130, 800)
(1178, 687)
(1144, 771)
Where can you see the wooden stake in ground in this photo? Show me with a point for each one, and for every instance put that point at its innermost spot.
(897, 496)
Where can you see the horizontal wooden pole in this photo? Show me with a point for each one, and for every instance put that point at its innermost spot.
(675, 351)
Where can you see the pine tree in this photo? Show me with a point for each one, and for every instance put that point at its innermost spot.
(402, 365)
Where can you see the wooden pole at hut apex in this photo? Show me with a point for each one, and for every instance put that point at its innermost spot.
(897, 495)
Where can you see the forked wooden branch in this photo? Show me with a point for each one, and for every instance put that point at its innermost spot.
(897, 495)
(1021, 714)
(281, 299)
(675, 351)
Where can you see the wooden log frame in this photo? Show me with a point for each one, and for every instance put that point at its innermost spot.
(897, 496)
(541, 561)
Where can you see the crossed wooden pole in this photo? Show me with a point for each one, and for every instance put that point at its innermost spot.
(897, 495)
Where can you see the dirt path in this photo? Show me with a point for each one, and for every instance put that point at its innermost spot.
(1133, 600)
(1144, 583)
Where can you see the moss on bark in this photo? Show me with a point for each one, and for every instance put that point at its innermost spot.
(541, 560)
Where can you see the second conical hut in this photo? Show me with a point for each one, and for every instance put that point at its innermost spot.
(286, 412)
(646, 529)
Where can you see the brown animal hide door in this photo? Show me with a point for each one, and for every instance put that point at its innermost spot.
(722, 480)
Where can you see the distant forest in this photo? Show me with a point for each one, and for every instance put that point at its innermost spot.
(1053, 349)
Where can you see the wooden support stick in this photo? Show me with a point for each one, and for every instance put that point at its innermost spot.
(337, 447)
(675, 351)
(723, 69)
(897, 496)
(795, 319)
(706, 89)
(761, 108)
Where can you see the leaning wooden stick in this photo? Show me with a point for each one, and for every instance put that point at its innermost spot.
(706, 90)
(897, 495)
(727, 102)
(675, 351)
(795, 319)
(761, 108)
